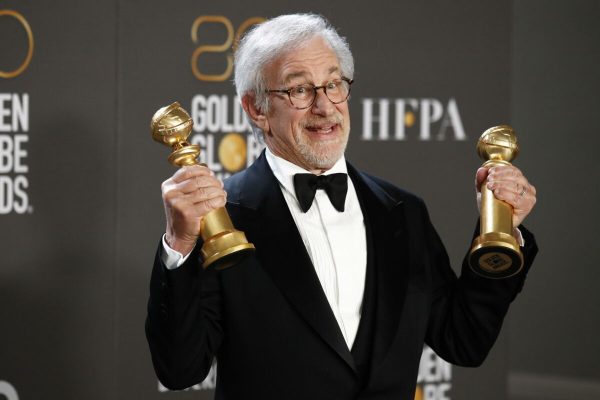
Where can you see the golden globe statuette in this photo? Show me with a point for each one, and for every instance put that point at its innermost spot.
(495, 253)
(223, 245)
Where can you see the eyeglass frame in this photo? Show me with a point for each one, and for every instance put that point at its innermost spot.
(315, 88)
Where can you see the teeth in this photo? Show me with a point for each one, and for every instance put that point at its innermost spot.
(321, 129)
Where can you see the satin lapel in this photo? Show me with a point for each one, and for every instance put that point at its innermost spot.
(390, 246)
(283, 255)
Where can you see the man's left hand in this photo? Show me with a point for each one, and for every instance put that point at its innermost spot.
(510, 185)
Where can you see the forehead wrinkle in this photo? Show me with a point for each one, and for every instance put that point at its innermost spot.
(304, 74)
(307, 62)
(294, 75)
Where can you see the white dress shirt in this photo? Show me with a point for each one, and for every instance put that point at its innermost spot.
(335, 242)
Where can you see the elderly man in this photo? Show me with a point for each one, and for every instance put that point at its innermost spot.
(349, 278)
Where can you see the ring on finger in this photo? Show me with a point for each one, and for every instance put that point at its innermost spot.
(523, 191)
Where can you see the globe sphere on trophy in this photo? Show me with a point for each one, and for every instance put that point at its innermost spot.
(495, 253)
(223, 246)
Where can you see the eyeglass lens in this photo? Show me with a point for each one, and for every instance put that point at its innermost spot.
(303, 96)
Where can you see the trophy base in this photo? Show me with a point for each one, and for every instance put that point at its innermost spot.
(225, 249)
(495, 255)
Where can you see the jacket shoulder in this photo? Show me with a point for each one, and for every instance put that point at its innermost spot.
(233, 186)
(394, 192)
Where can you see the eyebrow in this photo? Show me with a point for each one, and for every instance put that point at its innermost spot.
(303, 74)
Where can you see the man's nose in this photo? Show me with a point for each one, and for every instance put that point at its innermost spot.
(322, 104)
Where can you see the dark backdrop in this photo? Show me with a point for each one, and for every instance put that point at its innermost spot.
(80, 205)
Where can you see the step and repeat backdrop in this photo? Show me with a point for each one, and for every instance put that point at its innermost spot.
(80, 205)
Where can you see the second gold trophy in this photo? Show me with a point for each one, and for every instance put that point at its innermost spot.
(495, 253)
(223, 245)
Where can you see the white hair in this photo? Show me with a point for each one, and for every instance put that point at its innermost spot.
(270, 40)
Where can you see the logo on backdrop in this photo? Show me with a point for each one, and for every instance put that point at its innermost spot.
(225, 48)
(7, 390)
(434, 379)
(14, 125)
(425, 119)
(220, 126)
(21, 65)
(14, 128)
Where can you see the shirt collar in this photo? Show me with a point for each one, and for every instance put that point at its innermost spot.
(284, 170)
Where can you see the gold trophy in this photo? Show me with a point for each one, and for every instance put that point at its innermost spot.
(223, 245)
(495, 253)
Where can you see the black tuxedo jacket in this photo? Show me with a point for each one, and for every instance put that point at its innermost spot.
(269, 324)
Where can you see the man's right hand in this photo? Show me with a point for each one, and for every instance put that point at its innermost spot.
(190, 194)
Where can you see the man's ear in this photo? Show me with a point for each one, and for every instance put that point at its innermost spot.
(256, 115)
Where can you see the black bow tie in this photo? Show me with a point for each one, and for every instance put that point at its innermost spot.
(335, 185)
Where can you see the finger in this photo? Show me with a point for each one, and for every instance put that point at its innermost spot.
(507, 186)
(205, 194)
(190, 172)
(507, 195)
(217, 202)
(480, 177)
(504, 172)
(520, 197)
(168, 186)
(532, 190)
(198, 182)
(185, 209)
(520, 187)
(201, 208)
(508, 174)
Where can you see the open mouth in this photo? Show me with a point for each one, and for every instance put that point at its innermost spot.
(322, 129)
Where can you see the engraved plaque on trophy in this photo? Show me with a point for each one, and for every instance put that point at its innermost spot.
(495, 253)
(223, 245)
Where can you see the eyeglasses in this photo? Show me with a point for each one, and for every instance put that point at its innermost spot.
(303, 96)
